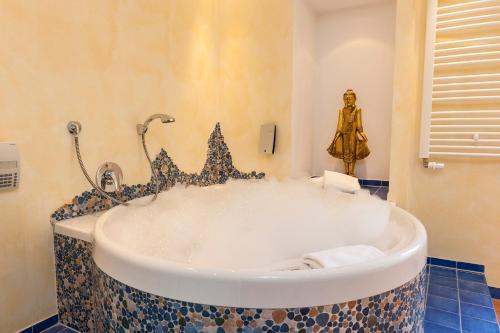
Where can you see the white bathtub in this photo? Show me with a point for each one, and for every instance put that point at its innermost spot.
(404, 244)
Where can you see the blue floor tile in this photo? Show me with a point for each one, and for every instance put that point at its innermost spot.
(443, 318)
(443, 281)
(478, 326)
(476, 311)
(442, 303)
(473, 286)
(475, 298)
(435, 328)
(28, 330)
(468, 309)
(446, 272)
(43, 325)
(443, 291)
(471, 277)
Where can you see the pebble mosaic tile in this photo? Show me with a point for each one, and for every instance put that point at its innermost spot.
(441, 312)
(121, 308)
(218, 169)
(73, 282)
(116, 307)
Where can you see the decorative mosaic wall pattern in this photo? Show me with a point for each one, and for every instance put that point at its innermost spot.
(74, 283)
(217, 170)
(120, 308)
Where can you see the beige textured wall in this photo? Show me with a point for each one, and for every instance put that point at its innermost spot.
(110, 64)
(458, 205)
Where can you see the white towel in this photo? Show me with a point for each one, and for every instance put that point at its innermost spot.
(340, 181)
(341, 256)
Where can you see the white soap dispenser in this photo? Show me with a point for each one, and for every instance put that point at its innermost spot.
(9, 166)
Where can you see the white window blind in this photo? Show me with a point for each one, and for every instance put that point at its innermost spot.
(461, 90)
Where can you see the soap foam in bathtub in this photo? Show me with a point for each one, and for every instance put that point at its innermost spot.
(249, 224)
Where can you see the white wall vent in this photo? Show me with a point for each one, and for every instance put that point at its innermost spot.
(9, 166)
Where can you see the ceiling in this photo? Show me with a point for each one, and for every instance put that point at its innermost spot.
(329, 5)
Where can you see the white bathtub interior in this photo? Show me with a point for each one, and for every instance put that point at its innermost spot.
(215, 245)
(248, 225)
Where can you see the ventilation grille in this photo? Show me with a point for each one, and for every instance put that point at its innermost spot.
(8, 180)
(461, 102)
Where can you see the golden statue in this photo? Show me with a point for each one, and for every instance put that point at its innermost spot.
(349, 142)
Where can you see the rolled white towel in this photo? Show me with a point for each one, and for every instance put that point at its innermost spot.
(341, 256)
(340, 181)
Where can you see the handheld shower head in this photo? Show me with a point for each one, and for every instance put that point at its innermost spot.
(165, 118)
(141, 130)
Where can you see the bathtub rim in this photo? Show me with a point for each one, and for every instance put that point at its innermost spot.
(262, 289)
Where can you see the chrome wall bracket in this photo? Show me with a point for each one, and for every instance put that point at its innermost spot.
(74, 128)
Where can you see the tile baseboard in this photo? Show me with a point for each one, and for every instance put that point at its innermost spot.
(465, 266)
(373, 182)
(495, 293)
(41, 325)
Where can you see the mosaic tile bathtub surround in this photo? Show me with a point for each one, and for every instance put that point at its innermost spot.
(91, 301)
(74, 282)
(121, 308)
(218, 169)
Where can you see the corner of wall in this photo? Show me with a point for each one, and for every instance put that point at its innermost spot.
(407, 82)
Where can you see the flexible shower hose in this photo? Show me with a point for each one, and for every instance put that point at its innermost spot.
(84, 170)
(153, 171)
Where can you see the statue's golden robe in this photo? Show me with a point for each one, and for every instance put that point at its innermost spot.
(348, 143)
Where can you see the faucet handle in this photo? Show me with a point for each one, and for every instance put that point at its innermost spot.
(109, 177)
